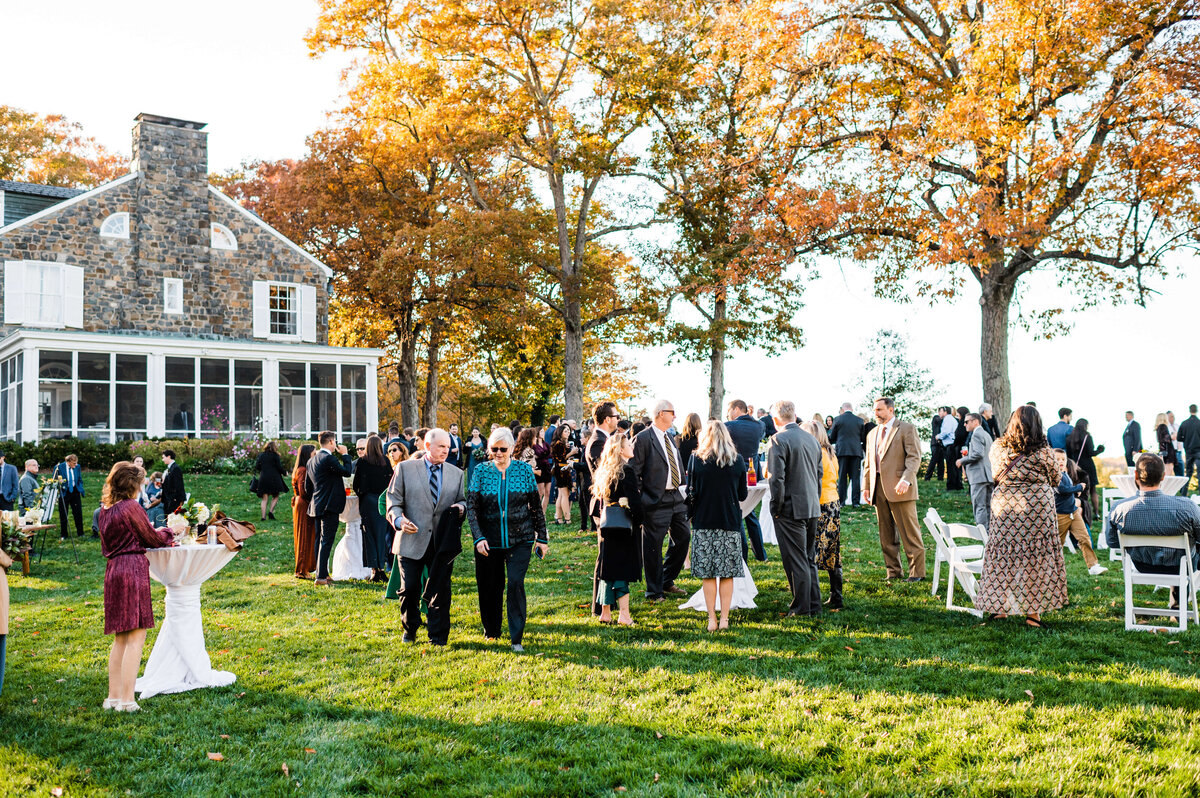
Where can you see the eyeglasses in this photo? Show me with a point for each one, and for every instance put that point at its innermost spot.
(360, 448)
(499, 448)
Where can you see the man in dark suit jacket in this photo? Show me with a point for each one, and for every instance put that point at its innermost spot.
(1131, 437)
(662, 479)
(326, 469)
(747, 434)
(9, 484)
(173, 494)
(794, 469)
(455, 458)
(70, 494)
(1189, 440)
(184, 421)
(846, 435)
(768, 423)
(605, 420)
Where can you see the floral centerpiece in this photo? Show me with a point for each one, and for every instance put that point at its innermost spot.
(16, 540)
(189, 520)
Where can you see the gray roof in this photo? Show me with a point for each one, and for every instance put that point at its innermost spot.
(38, 190)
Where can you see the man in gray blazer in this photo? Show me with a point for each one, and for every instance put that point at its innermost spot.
(794, 473)
(978, 464)
(420, 494)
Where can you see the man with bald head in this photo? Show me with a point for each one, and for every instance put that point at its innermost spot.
(662, 476)
(421, 493)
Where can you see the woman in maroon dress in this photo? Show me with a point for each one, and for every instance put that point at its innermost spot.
(304, 529)
(125, 534)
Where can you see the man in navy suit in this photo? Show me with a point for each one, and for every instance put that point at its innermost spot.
(9, 483)
(662, 478)
(326, 469)
(846, 435)
(1131, 437)
(747, 434)
(70, 494)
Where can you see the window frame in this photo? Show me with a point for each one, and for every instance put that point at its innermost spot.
(119, 236)
(167, 307)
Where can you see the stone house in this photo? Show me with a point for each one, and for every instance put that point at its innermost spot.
(155, 305)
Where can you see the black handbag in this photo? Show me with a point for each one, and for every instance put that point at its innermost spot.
(254, 485)
(614, 516)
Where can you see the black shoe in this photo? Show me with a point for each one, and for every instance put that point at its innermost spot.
(833, 605)
(408, 638)
(271, 516)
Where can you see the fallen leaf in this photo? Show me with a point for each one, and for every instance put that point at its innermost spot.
(310, 750)
(1173, 643)
(621, 789)
(216, 757)
(224, 736)
(1029, 693)
(658, 735)
(286, 772)
(60, 681)
(847, 648)
(656, 778)
(537, 702)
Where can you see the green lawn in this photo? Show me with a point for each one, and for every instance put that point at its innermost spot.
(892, 696)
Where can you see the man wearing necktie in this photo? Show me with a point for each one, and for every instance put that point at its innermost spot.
(183, 421)
(418, 497)
(662, 477)
(890, 484)
(70, 494)
(9, 484)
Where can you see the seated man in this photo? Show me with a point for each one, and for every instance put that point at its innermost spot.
(1153, 513)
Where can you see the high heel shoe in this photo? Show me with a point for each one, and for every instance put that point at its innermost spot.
(271, 516)
(110, 703)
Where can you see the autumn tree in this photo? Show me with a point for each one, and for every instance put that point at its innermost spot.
(717, 151)
(990, 141)
(548, 85)
(52, 151)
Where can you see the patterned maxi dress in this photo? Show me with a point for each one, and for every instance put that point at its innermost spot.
(1023, 569)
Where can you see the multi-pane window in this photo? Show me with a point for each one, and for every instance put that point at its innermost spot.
(320, 396)
(172, 295)
(284, 309)
(44, 293)
(12, 374)
(181, 396)
(56, 378)
(130, 397)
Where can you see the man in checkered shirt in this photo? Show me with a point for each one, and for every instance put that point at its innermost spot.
(1153, 513)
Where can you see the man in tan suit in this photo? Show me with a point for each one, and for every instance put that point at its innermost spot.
(891, 463)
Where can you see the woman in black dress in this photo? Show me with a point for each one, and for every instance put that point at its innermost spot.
(372, 474)
(565, 454)
(689, 438)
(619, 560)
(1081, 449)
(716, 487)
(545, 465)
(269, 467)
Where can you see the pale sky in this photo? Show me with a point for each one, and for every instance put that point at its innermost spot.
(243, 68)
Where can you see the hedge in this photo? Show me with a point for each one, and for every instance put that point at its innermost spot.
(197, 455)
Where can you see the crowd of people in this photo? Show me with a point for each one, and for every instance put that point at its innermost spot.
(655, 481)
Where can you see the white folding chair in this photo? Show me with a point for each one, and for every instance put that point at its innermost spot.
(964, 563)
(1187, 580)
(1108, 497)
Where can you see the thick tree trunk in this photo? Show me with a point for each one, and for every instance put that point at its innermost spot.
(716, 367)
(995, 298)
(429, 409)
(406, 371)
(573, 358)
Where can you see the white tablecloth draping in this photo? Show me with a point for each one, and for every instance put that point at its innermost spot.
(179, 661)
(1124, 483)
(765, 521)
(744, 589)
(348, 554)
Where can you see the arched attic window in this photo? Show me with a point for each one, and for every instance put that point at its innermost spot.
(223, 238)
(115, 226)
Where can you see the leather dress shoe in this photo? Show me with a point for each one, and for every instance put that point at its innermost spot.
(408, 638)
(915, 579)
(674, 591)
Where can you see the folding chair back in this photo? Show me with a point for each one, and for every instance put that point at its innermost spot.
(941, 554)
(965, 562)
(1186, 580)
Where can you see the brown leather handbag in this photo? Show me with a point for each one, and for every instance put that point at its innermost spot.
(230, 532)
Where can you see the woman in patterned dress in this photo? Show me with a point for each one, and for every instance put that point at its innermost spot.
(125, 534)
(716, 488)
(1023, 568)
(829, 526)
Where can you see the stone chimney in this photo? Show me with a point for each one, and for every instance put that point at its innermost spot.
(172, 219)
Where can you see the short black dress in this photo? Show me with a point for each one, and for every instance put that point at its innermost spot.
(270, 474)
(620, 556)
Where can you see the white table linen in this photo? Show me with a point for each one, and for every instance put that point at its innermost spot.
(179, 660)
(765, 521)
(744, 589)
(348, 554)
(1124, 483)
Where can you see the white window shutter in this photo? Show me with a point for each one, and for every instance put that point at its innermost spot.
(73, 296)
(308, 313)
(262, 309)
(14, 292)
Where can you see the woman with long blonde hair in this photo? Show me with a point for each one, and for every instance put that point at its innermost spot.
(829, 526)
(618, 561)
(716, 488)
(1166, 446)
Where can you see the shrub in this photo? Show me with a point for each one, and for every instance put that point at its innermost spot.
(216, 455)
(92, 456)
